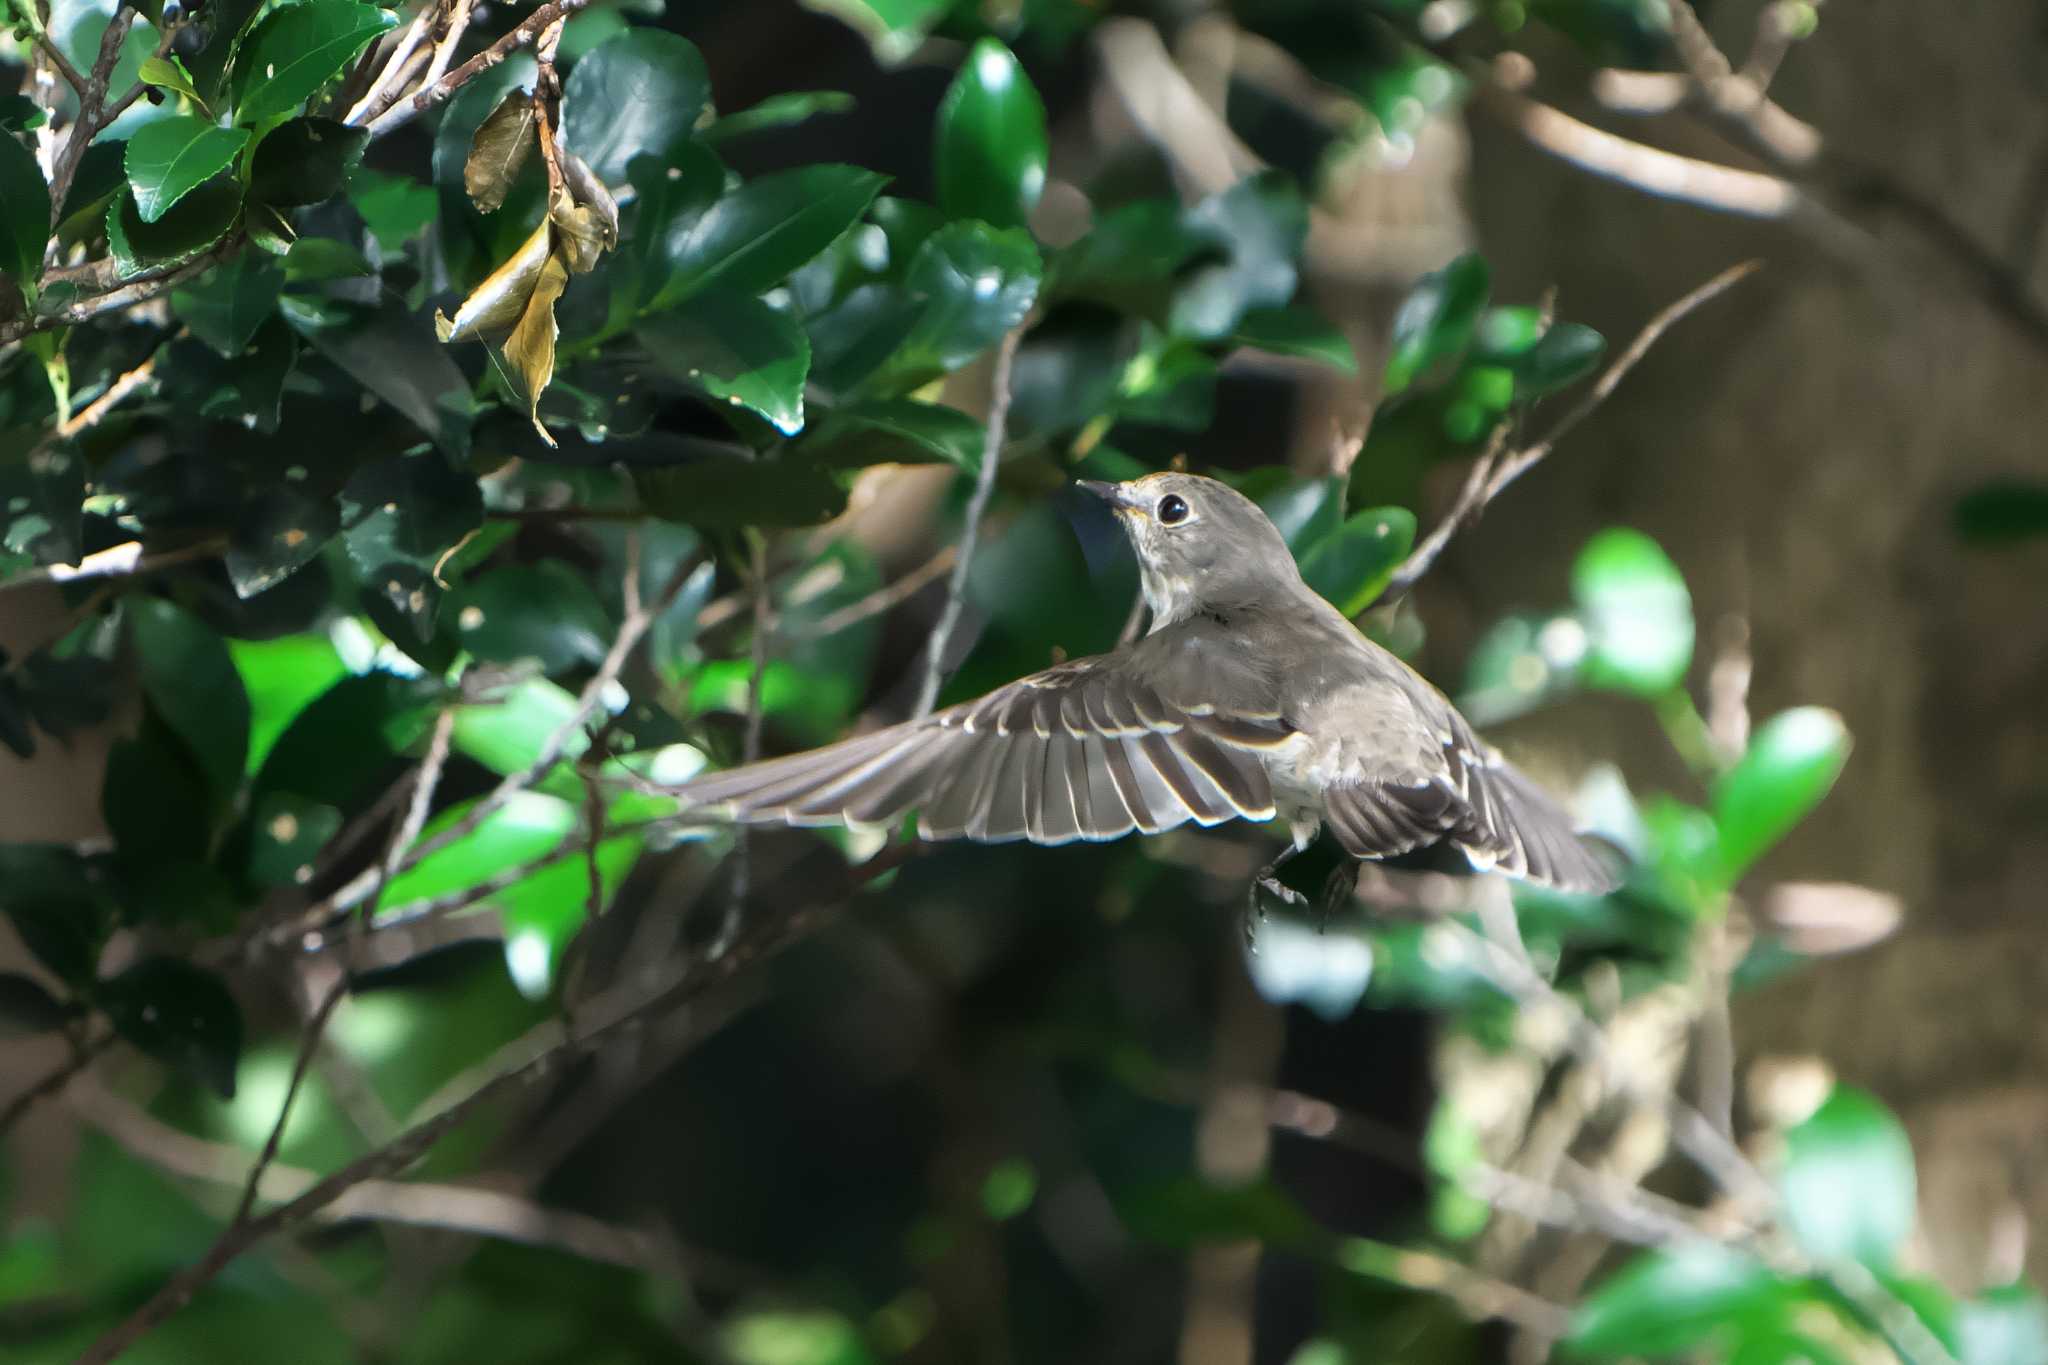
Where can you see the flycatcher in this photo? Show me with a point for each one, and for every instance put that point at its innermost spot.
(1250, 698)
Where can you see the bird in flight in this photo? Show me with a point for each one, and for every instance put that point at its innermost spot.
(1250, 698)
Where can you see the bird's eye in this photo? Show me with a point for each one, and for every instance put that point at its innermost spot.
(1173, 508)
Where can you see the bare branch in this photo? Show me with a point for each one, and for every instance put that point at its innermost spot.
(984, 488)
(117, 561)
(54, 1081)
(405, 111)
(1494, 472)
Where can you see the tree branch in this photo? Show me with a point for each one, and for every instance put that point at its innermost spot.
(1494, 472)
(977, 504)
(434, 92)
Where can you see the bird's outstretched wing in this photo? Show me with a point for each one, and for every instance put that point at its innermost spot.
(1478, 801)
(1084, 750)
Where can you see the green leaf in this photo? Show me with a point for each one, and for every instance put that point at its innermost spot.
(399, 517)
(671, 195)
(168, 73)
(24, 212)
(245, 389)
(638, 94)
(20, 114)
(200, 218)
(282, 677)
(730, 493)
(1637, 611)
(526, 827)
(1664, 1303)
(225, 22)
(777, 111)
(897, 431)
(893, 28)
(1847, 1181)
(395, 208)
(1296, 331)
(543, 913)
(1350, 566)
(991, 149)
(505, 732)
(157, 800)
(316, 260)
(1436, 320)
(1792, 762)
(395, 356)
(1304, 511)
(2003, 512)
(1565, 354)
(171, 157)
(1131, 258)
(541, 611)
(1259, 224)
(339, 747)
(180, 1015)
(305, 161)
(225, 306)
(27, 1007)
(296, 49)
(191, 681)
(278, 533)
(737, 349)
(977, 283)
(749, 240)
(2007, 1326)
(286, 833)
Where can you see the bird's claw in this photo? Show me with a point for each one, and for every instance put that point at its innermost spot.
(1255, 910)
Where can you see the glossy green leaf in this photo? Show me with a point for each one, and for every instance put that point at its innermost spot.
(394, 207)
(168, 73)
(341, 746)
(286, 834)
(191, 681)
(202, 216)
(296, 49)
(24, 212)
(1664, 1303)
(749, 240)
(639, 94)
(304, 161)
(180, 1015)
(225, 23)
(991, 147)
(20, 114)
(2003, 512)
(1302, 510)
(1506, 334)
(276, 534)
(1131, 257)
(1792, 762)
(316, 260)
(399, 518)
(1258, 225)
(27, 1007)
(897, 430)
(541, 611)
(245, 389)
(1847, 1181)
(727, 494)
(1565, 354)
(394, 355)
(738, 350)
(777, 111)
(1351, 566)
(226, 305)
(281, 678)
(169, 158)
(977, 282)
(1436, 320)
(1637, 612)
(1296, 331)
(43, 497)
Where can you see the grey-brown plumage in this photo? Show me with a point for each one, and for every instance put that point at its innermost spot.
(1251, 698)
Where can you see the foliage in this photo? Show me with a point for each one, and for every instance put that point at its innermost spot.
(420, 431)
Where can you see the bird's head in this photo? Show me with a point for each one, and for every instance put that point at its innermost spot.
(1201, 545)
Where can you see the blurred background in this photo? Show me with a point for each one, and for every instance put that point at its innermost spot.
(1770, 615)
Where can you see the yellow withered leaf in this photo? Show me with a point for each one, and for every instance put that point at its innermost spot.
(580, 236)
(531, 347)
(585, 188)
(497, 305)
(499, 150)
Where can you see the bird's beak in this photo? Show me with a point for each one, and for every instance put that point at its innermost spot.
(1117, 495)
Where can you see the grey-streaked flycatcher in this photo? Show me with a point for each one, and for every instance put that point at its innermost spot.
(1250, 698)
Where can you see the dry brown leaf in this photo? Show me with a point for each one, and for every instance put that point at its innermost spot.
(580, 237)
(499, 150)
(498, 304)
(585, 188)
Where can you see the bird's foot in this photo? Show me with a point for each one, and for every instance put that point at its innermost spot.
(1255, 909)
(1338, 889)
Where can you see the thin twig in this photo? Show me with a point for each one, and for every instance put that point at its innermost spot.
(401, 52)
(117, 561)
(750, 746)
(444, 50)
(1494, 472)
(396, 1155)
(431, 94)
(984, 488)
(547, 103)
(91, 100)
(54, 1081)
